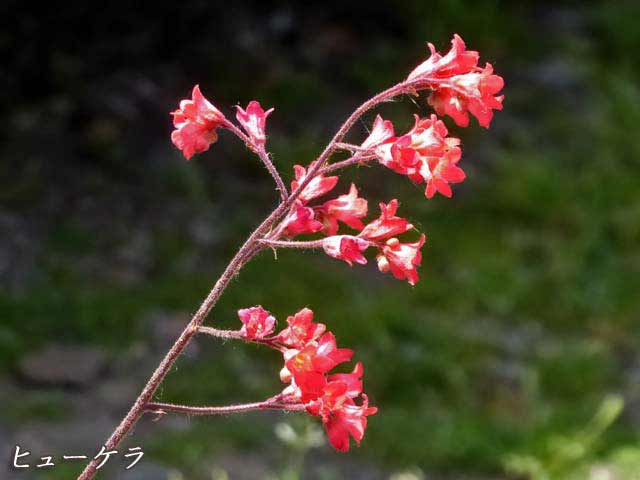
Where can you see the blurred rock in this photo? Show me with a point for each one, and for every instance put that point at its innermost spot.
(81, 435)
(142, 471)
(118, 394)
(75, 366)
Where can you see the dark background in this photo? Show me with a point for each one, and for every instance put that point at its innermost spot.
(516, 356)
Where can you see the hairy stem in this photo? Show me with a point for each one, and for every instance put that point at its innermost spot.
(157, 407)
(235, 334)
(288, 244)
(264, 157)
(357, 159)
(214, 332)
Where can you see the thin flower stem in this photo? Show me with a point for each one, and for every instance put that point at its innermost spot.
(249, 249)
(235, 334)
(347, 146)
(214, 332)
(157, 407)
(288, 244)
(264, 157)
(358, 159)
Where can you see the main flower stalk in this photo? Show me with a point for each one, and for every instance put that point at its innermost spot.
(424, 154)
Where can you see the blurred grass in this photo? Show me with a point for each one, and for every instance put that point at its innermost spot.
(529, 293)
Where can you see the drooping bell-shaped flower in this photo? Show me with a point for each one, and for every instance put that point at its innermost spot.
(195, 124)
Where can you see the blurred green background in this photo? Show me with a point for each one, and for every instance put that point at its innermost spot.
(516, 356)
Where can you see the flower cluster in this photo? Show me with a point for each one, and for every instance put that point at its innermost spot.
(425, 153)
(401, 259)
(310, 353)
(459, 86)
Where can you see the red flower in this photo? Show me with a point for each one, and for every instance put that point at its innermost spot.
(401, 259)
(320, 357)
(346, 247)
(426, 154)
(381, 133)
(256, 322)
(315, 188)
(253, 121)
(196, 122)
(387, 225)
(353, 380)
(341, 416)
(300, 220)
(308, 366)
(457, 61)
(459, 85)
(348, 209)
(441, 172)
(472, 92)
(301, 330)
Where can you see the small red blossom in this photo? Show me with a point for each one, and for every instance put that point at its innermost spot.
(318, 357)
(443, 171)
(309, 365)
(473, 93)
(253, 120)
(340, 415)
(401, 259)
(426, 154)
(301, 330)
(353, 380)
(348, 209)
(459, 85)
(256, 322)
(387, 225)
(196, 122)
(382, 132)
(315, 188)
(457, 61)
(300, 220)
(346, 247)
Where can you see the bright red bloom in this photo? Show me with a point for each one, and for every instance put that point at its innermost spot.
(256, 322)
(308, 366)
(401, 259)
(472, 92)
(341, 416)
(387, 225)
(426, 154)
(300, 220)
(196, 122)
(315, 188)
(301, 330)
(382, 132)
(457, 61)
(353, 380)
(348, 209)
(459, 85)
(320, 357)
(441, 172)
(346, 247)
(253, 121)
